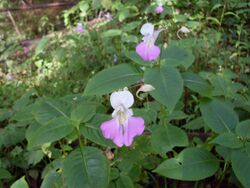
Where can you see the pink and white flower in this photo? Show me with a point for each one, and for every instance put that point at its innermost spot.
(79, 28)
(123, 127)
(147, 49)
(159, 9)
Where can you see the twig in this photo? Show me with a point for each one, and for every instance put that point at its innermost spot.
(39, 6)
(14, 23)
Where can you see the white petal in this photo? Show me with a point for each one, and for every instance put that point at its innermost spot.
(121, 98)
(147, 29)
(146, 88)
(183, 29)
(156, 34)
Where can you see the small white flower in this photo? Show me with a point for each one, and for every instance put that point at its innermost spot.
(184, 30)
(9, 77)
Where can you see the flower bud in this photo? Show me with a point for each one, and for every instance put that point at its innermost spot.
(146, 88)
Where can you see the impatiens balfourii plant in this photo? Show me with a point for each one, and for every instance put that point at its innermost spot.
(165, 83)
(123, 127)
(147, 48)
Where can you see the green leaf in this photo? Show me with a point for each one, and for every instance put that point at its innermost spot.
(124, 181)
(114, 173)
(20, 183)
(88, 168)
(83, 113)
(131, 26)
(35, 156)
(197, 123)
(50, 132)
(96, 4)
(4, 174)
(241, 165)
(177, 115)
(192, 164)
(229, 140)
(41, 45)
(219, 116)
(52, 179)
(91, 130)
(213, 20)
(25, 114)
(107, 4)
(83, 6)
(243, 129)
(165, 138)
(112, 79)
(112, 33)
(224, 152)
(168, 85)
(148, 114)
(136, 156)
(196, 84)
(5, 114)
(50, 109)
(136, 58)
(123, 14)
(12, 134)
(175, 56)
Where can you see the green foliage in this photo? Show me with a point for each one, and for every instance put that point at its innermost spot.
(229, 140)
(243, 129)
(219, 116)
(241, 164)
(91, 130)
(21, 183)
(168, 85)
(48, 132)
(86, 168)
(165, 138)
(197, 84)
(175, 56)
(191, 164)
(112, 79)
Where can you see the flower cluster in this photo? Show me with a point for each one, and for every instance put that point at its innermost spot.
(123, 127)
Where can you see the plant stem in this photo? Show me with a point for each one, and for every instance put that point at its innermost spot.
(79, 140)
(222, 14)
(14, 24)
(223, 175)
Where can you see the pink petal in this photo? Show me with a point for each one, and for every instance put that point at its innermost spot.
(79, 28)
(159, 9)
(135, 127)
(148, 53)
(112, 130)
